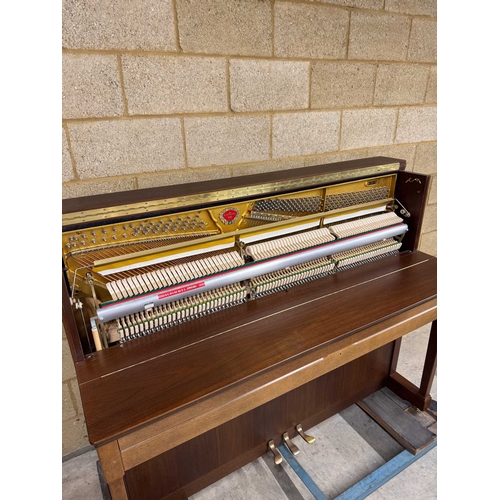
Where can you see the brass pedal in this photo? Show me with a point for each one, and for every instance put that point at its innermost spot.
(278, 457)
(303, 435)
(289, 444)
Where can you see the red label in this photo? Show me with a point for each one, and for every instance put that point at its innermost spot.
(181, 289)
(229, 214)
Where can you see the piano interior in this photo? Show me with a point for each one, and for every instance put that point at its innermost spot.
(184, 312)
(143, 273)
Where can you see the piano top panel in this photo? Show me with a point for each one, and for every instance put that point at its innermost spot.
(200, 194)
(148, 378)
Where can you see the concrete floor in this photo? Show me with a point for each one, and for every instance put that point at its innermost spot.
(348, 447)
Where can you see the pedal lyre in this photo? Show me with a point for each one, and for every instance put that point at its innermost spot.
(289, 444)
(303, 435)
(278, 457)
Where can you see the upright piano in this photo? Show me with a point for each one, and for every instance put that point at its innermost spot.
(210, 322)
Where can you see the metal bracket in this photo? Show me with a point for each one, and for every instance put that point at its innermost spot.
(401, 209)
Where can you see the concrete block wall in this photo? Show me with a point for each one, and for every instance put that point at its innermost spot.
(160, 92)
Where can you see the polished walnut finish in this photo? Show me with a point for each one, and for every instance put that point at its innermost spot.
(172, 412)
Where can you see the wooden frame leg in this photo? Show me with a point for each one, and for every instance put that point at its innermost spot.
(430, 362)
(417, 396)
(112, 469)
(117, 489)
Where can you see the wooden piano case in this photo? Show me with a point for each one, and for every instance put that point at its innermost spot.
(172, 412)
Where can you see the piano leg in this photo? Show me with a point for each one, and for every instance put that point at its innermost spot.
(417, 396)
(112, 469)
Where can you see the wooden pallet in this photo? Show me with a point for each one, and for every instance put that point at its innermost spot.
(412, 428)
